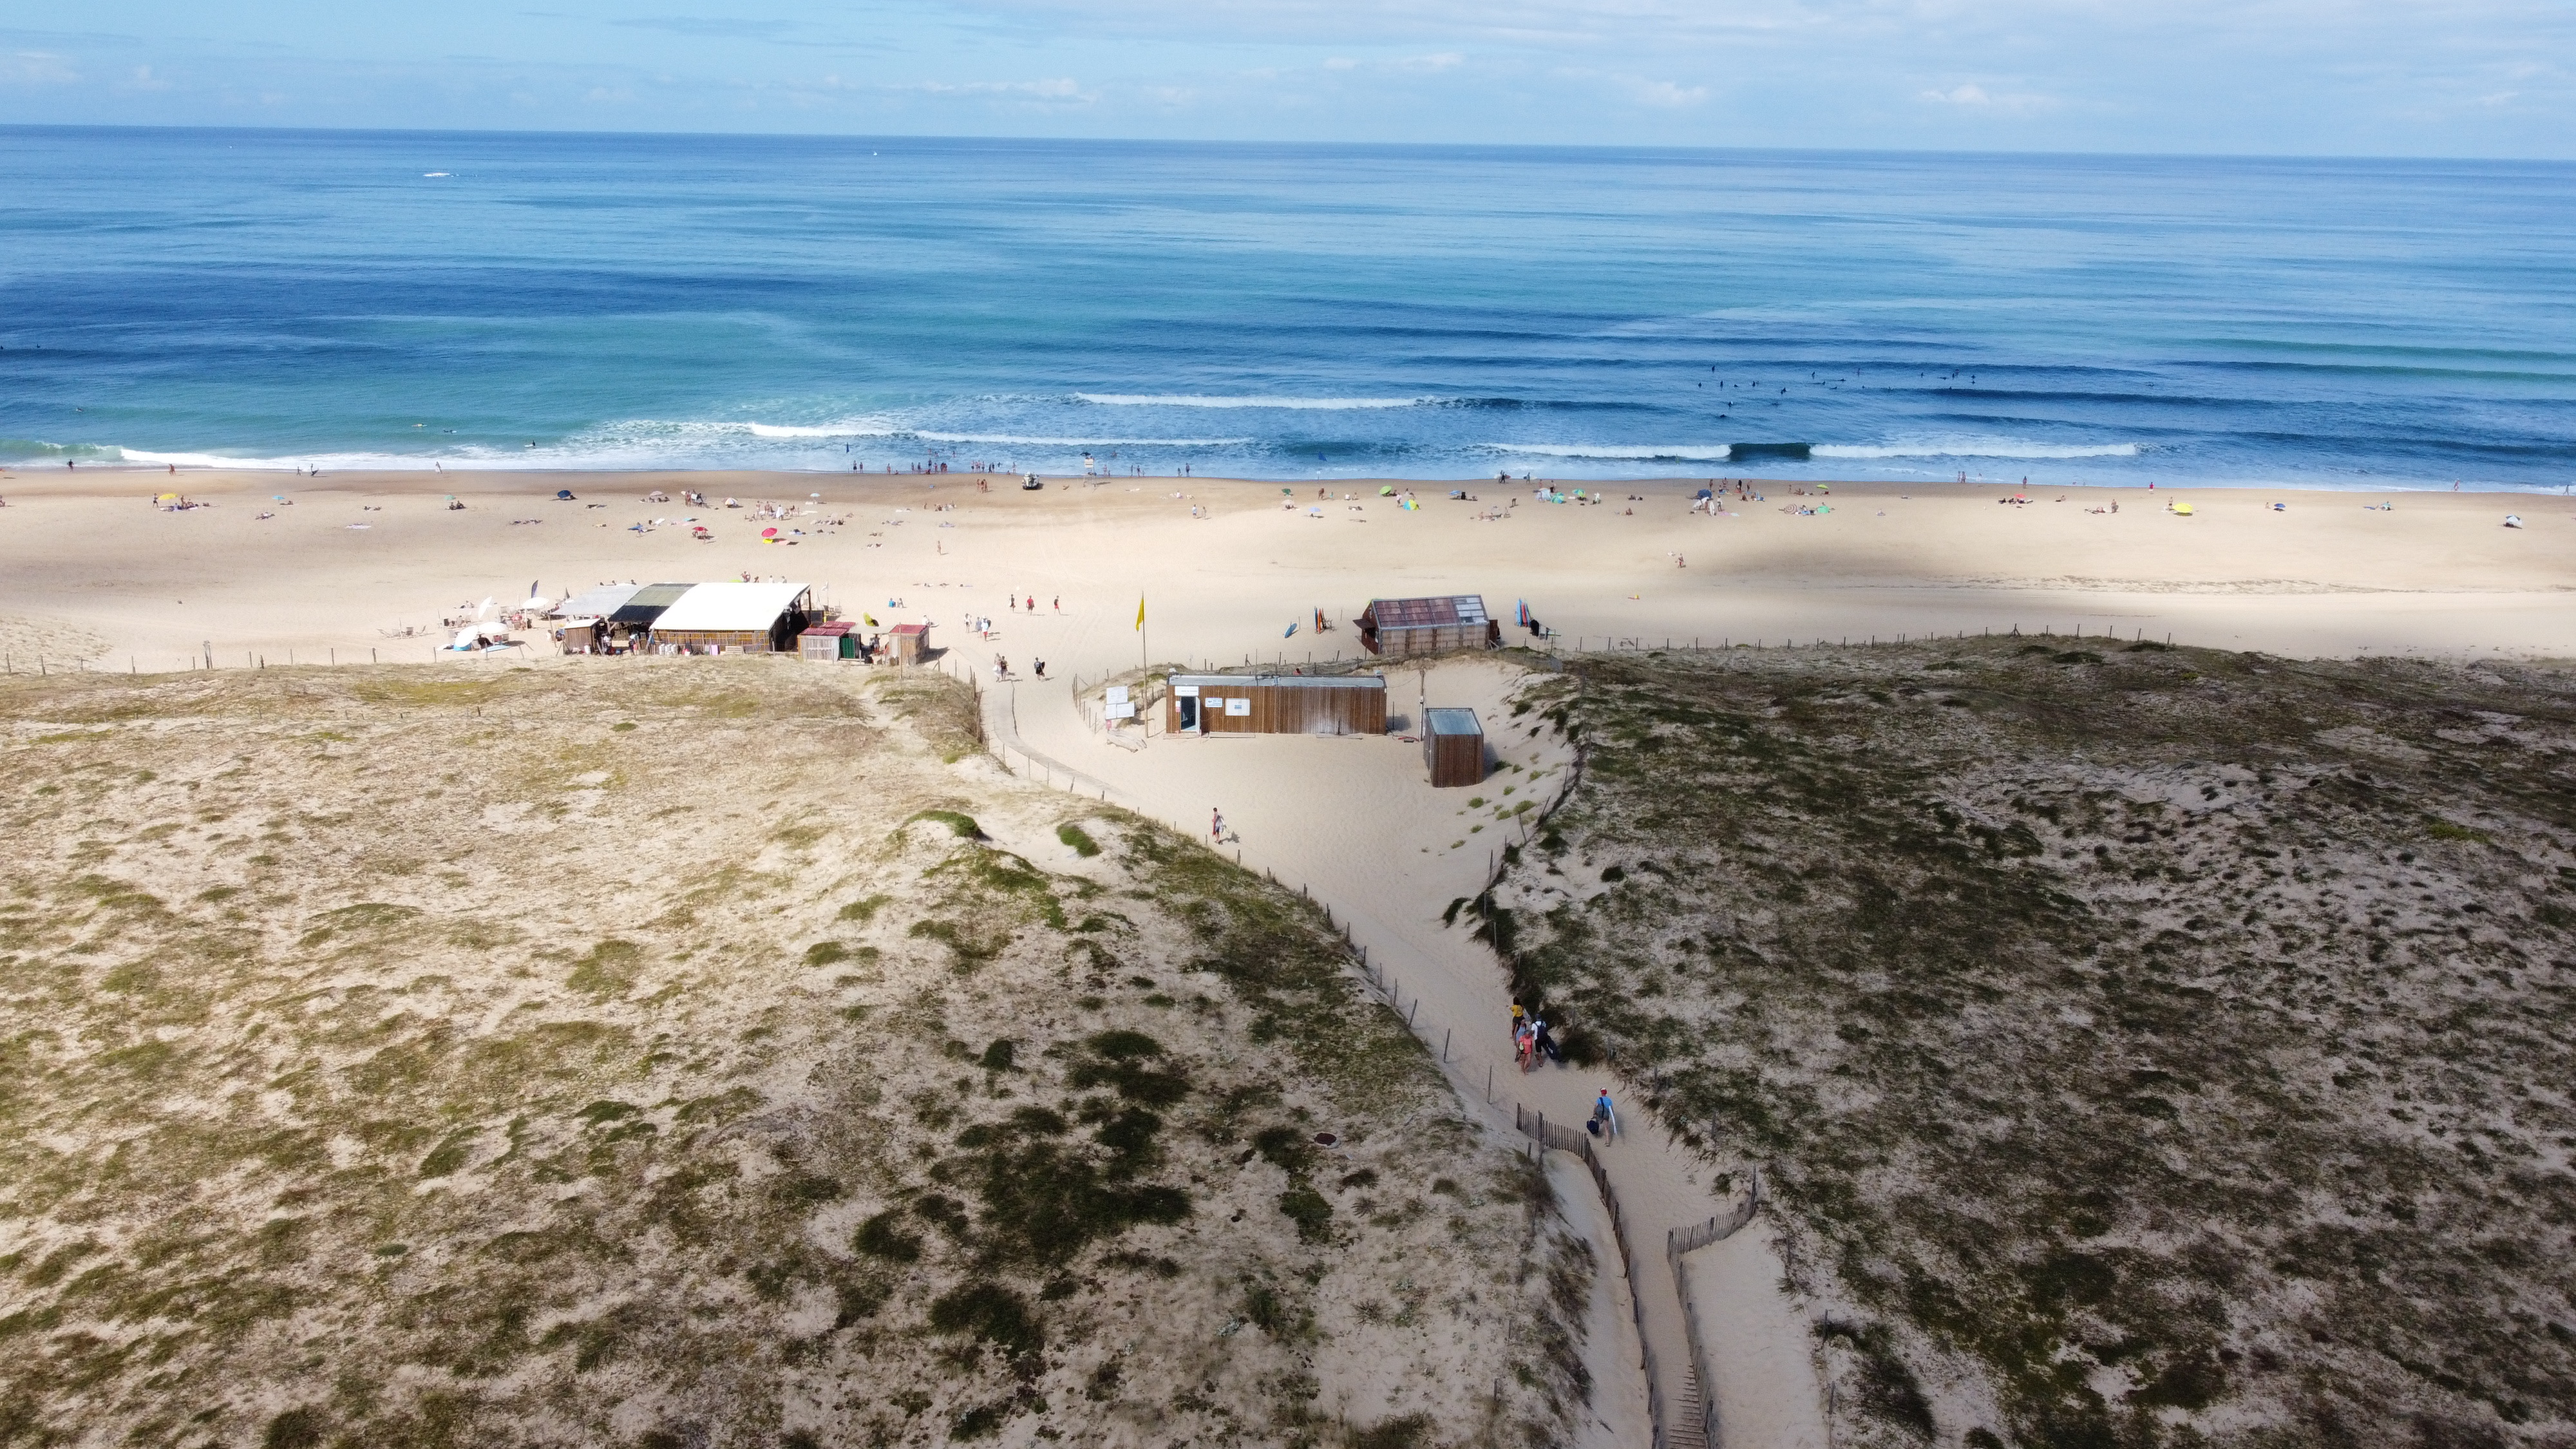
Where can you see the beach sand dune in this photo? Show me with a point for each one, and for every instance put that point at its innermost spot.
(356, 568)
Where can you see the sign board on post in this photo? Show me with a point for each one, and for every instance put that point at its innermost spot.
(1121, 709)
(1117, 694)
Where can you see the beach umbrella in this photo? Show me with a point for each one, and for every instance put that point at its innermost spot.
(769, 533)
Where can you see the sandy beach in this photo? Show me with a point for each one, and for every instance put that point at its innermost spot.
(95, 573)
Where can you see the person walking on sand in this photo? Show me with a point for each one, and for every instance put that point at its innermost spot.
(1541, 1044)
(1216, 827)
(1605, 1118)
(1520, 1018)
(1037, 667)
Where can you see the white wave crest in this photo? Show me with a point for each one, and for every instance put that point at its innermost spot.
(1075, 442)
(1191, 400)
(827, 430)
(372, 461)
(1679, 452)
(874, 428)
(1974, 448)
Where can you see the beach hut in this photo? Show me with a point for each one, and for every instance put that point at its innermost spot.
(1453, 745)
(734, 618)
(1275, 704)
(835, 640)
(908, 643)
(1400, 628)
(582, 636)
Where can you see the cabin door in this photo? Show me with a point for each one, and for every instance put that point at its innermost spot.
(1189, 707)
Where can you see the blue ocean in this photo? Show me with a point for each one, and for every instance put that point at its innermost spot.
(621, 301)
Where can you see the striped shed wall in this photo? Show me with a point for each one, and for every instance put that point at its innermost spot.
(1275, 704)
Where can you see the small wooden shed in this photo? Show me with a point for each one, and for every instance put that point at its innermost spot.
(1275, 704)
(828, 641)
(908, 643)
(1453, 745)
(1399, 628)
(582, 636)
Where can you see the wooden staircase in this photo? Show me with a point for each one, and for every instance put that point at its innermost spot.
(1686, 1428)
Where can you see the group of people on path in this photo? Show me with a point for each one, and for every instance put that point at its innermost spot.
(1531, 1044)
(1530, 1040)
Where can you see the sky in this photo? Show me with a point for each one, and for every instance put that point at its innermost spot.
(2477, 78)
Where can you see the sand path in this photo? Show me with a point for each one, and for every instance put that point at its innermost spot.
(1355, 822)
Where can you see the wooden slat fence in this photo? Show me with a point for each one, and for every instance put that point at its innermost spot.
(1535, 1126)
(1682, 1240)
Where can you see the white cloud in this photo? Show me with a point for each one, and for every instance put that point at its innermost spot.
(1341, 62)
(1664, 93)
(36, 68)
(144, 80)
(1974, 97)
(1060, 89)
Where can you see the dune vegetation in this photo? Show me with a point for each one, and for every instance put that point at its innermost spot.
(2141, 1046)
(702, 1053)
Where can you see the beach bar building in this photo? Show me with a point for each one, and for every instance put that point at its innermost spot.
(1453, 745)
(733, 618)
(1275, 704)
(909, 643)
(613, 617)
(1400, 628)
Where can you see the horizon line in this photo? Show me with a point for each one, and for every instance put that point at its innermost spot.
(880, 137)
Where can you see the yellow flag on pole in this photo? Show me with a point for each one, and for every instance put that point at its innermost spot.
(1140, 611)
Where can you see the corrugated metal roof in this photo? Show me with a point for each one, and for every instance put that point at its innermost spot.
(1309, 681)
(1451, 722)
(1427, 613)
(598, 603)
(730, 607)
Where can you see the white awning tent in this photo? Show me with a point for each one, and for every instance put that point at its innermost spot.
(742, 607)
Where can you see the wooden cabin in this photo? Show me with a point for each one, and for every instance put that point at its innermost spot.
(734, 618)
(1275, 704)
(582, 636)
(908, 643)
(836, 640)
(1453, 745)
(1401, 628)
